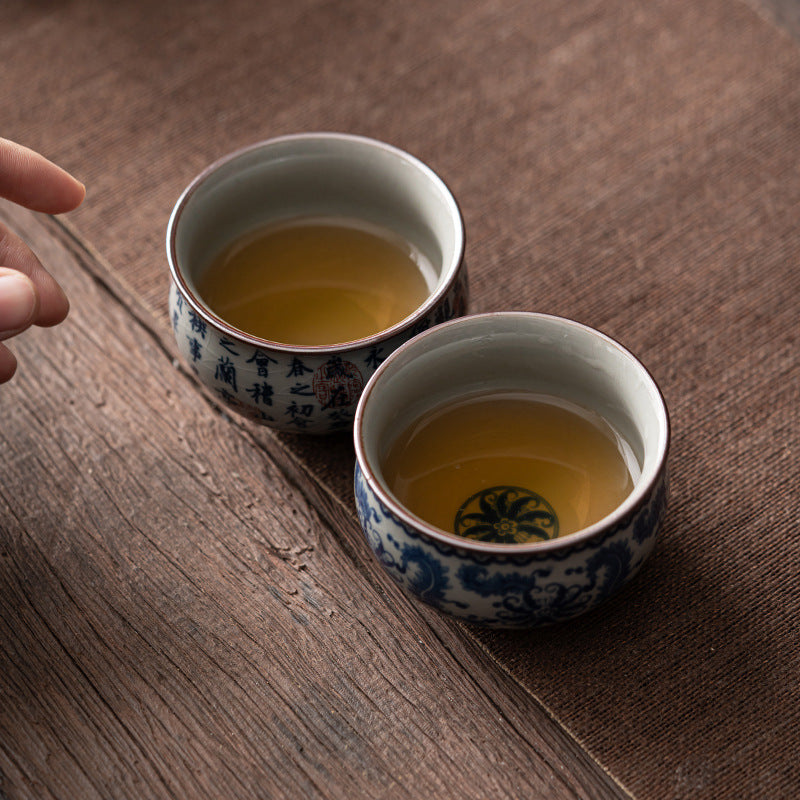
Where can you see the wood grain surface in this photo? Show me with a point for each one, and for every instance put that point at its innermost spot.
(177, 620)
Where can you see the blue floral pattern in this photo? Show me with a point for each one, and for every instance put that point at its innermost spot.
(534, 589)
(522, 599)
(506, 514)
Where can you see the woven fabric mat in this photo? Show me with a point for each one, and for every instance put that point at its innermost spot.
(631, 165)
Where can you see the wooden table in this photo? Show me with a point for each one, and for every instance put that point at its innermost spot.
(187, 605)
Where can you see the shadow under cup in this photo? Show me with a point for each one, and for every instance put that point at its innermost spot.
(306, 388)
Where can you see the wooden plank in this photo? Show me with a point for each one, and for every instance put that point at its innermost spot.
(178, 619)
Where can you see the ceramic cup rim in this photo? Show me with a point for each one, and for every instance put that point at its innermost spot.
(632, 503)
(450, 269)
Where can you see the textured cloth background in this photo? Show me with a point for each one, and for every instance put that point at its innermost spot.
(633, 165)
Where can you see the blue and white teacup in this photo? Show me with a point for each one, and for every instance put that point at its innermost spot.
(512, 585)
(306, 389)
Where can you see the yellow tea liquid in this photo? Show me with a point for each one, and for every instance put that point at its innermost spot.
(316, 281)
(510, 467)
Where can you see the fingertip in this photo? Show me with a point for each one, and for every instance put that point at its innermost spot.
(19, 302)
(74, 195)
(53, 309)
(64, 193)
(8, 364)
(17, 258)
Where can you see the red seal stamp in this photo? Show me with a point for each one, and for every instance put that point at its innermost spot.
(337, 383)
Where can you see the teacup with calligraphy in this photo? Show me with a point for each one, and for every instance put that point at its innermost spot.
(304, 385)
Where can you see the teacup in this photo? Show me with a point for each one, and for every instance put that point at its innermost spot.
(306, 388)
(498, 584)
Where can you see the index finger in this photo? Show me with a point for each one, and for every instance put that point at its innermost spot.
(30, 180)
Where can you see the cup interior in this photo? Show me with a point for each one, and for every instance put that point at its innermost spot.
(314, 175)
(512, 351)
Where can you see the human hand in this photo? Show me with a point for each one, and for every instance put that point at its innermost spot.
(29, 295)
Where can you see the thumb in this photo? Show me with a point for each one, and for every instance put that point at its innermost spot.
(19, 302)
